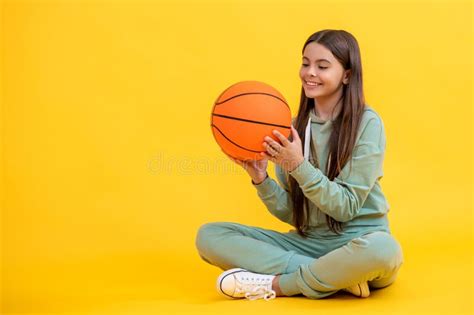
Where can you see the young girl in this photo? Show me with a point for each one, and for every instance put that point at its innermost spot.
(329, 190)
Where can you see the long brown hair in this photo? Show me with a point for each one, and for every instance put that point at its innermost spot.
(345, 49)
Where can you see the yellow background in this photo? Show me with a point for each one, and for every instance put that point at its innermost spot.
(110, 167)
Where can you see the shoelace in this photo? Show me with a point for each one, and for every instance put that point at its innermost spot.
(253, 291)
(258, 292)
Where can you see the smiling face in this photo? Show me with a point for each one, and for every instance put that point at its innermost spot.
(321, 73)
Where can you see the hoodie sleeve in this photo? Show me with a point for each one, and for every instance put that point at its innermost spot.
(276, 198)
(343, 197)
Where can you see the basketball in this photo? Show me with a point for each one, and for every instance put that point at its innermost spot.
(244, 114)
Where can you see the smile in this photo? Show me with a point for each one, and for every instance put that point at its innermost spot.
(309, 83)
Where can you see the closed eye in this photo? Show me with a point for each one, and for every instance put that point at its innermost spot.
(305, 65)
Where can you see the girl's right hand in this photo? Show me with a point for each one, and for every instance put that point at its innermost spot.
(257, 169)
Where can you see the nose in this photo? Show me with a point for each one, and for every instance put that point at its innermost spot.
(311, 71)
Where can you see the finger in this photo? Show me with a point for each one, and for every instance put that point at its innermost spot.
(294, 134)
(272, 143)
(281, 137)
(270, 149)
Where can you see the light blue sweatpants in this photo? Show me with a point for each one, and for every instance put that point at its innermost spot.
(313, 266)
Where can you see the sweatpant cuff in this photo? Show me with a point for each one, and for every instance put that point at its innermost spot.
(288, 284)
(287, 280)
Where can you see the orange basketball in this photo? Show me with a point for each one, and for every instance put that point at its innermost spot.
(244, 114)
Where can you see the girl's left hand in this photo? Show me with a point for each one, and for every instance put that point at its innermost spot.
(289, 155)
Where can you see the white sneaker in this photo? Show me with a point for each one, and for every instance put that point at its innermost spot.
(360, 290)
(240, 283)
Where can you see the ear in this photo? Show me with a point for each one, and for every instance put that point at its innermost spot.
(346, 77)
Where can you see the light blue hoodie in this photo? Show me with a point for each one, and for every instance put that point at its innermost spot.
(354, 197)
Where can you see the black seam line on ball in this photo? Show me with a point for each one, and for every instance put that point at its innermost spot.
(251, 121)
(233, 141)
(252, 93)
